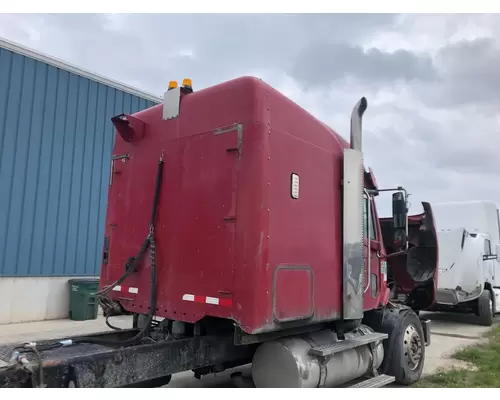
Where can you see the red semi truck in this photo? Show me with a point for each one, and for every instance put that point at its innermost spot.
(240, 229)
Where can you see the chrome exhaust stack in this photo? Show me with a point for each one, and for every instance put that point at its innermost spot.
(352, 213)
(356, 124)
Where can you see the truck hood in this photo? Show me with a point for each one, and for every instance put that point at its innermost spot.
(451, 243)
(413, 273)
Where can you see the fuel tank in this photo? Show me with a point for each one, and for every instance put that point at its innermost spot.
(286, 362)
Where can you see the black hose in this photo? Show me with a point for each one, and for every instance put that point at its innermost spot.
(157, 192)
(41, 347)
(133, 265)
(115, 328)
(152, 308)
(131, 268)
(148, 242)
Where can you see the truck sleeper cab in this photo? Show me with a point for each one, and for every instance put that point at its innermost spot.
(469, 259)
(466, 275)
(255, 194)
(229, 216)
(235, 234)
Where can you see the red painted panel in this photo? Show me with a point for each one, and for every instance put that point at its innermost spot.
(195, 233)
(300, 305)
(307, 231)
(226, 220)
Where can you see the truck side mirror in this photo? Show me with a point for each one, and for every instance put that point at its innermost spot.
(399, 211)
(497, 252)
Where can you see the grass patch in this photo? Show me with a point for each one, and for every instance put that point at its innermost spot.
(486, 374)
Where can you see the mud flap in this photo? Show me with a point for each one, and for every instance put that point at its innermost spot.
(426, 326)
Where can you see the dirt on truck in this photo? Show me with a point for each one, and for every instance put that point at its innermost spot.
(242, 230)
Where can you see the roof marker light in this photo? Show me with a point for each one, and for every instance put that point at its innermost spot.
(172, 85)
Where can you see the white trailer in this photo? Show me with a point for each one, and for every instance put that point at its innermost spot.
(469, 258)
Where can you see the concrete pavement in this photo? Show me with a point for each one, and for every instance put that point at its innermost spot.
(450, 332)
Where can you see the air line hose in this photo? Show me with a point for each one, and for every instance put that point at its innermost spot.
(150, 243)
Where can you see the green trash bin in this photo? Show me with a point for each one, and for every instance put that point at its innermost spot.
(83, 303)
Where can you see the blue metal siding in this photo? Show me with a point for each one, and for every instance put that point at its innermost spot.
(56, 139)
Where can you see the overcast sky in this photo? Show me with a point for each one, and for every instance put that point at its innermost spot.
(432, 81)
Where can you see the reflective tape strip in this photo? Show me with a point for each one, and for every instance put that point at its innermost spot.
(208, 300)
(127, 289)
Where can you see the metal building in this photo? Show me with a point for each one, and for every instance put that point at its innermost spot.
(56, 140)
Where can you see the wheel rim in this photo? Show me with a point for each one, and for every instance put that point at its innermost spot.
(412, 346)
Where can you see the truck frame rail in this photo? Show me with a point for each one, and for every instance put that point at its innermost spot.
(92, 365)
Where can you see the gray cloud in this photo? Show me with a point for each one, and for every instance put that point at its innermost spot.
(442, 141)
(432, 120)
(470, 74)
(323, 63)
(223, 46)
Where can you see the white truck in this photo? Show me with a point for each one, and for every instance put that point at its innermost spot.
(469, 258)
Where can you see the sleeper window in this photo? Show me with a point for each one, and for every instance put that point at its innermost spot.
(365, 220)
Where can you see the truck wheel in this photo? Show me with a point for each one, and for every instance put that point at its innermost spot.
(485, 308)
(408, 351)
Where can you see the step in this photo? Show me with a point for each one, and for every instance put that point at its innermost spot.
(375, 382)
(343, 345)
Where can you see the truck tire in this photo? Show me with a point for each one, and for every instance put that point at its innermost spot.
(485, 308)
(408, 349)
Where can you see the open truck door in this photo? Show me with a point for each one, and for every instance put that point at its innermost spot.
(412, 257)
